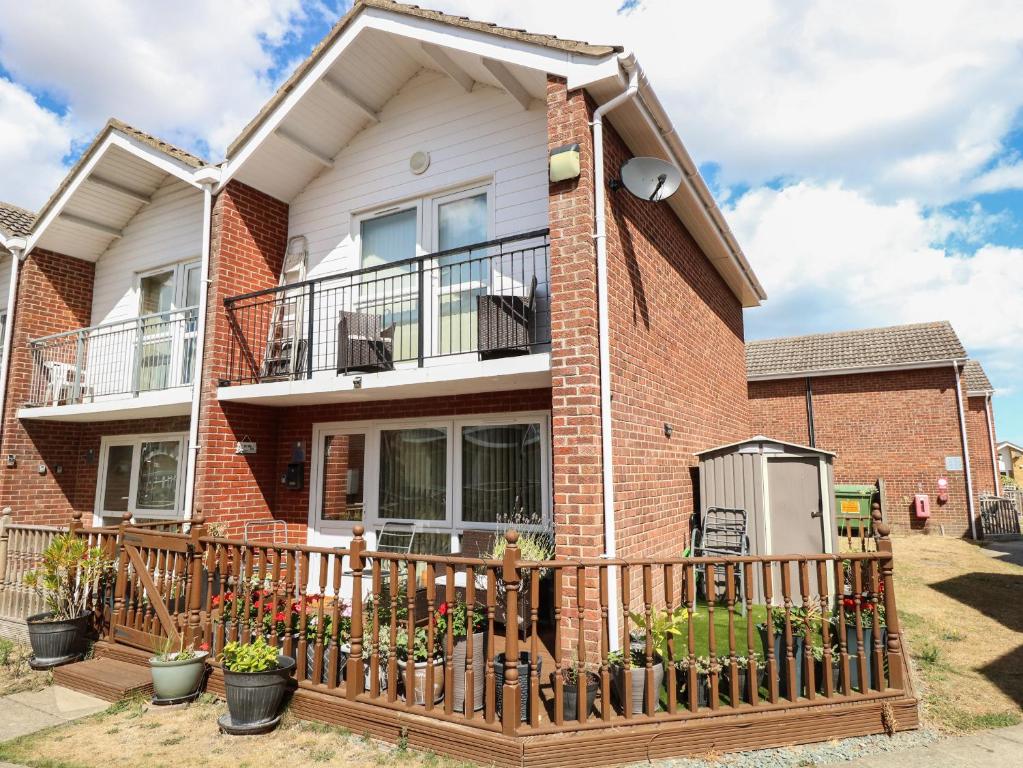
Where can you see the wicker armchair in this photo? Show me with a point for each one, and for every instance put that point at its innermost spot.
(363, 344)
(505, 323)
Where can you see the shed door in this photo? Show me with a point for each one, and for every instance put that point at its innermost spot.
(795, 510)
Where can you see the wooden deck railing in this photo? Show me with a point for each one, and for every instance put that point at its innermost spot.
(706, 636)
(21, 549)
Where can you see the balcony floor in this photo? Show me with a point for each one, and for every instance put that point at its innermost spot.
(438, 380)
(148, 405)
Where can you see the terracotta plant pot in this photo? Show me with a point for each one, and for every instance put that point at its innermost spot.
(254, 698)
(419, 679)
(177, 678)
(56, 642)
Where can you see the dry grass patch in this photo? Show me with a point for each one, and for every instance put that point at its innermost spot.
(961, 614)
(134, 733)
(15, 673)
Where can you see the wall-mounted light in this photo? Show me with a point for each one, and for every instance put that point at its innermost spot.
(12, 461)
(668, 429)
(564, 163)
(41, 469)
(357, 382)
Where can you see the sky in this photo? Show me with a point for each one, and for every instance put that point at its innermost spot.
(868, 156)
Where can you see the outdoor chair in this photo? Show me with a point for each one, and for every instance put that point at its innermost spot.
(722, 533)
(364, 344)
(504, 323)
(393, 538)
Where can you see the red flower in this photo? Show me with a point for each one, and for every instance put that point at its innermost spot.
(204, 646)
(443, 609)
(279, 616)
(216, 600)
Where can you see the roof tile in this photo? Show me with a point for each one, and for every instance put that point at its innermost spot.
(975, 379)
(868, 348)
(15, 221)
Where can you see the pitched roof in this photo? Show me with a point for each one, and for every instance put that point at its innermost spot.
(15, 221)
(113, 124)
(974, 378)
(894, 346)
(577, 47)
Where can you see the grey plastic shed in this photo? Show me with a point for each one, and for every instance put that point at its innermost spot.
(786, 489)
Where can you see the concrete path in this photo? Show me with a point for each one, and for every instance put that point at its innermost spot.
(34, 710)
(999, 747)
(1008, 550)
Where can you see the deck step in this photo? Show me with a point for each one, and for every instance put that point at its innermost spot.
(107, 679)
(105, 650)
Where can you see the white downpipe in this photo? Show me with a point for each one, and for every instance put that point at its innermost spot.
(200, 346)
(966, 452)
(17, 251)
(628, 63)
(991, 439)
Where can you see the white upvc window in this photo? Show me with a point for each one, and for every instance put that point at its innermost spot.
(446, 475)
(143, 475)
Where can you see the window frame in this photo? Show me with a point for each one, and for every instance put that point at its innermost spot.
(136, 441)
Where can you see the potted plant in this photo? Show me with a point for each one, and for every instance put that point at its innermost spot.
(288, 623)
(66, 579)
(177, 674)
(701, 666)
(383, 656)
(570, 677)
(457, 616)
(805, 624)
(415, 667)
(525, 682)
(746, 666)
(664, 625)
(534, 546)
(255, 678)
(871, 611)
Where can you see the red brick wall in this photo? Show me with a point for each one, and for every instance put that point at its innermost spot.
(248, 240)
(979, 439)
(677, 357)
(899, 426)
(54, 295)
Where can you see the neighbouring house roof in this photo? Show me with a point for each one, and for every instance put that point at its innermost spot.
(577, 47)
(119, 126)
(899, 346)
(15, 221)
(1011, 446)
(974, 378)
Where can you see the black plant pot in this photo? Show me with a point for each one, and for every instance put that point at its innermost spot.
(868, 653)
(254, 698)
(56, 642)
(682, 688)
(525, 681)
(798, 649)
(570, 697)
(743, 678)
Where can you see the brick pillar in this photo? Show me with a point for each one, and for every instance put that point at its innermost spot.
(249, 237)
(54, 295)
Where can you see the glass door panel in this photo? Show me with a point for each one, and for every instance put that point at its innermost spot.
(158, 476)
(343, 478)
(186, 328)
(462, 276)
(413, 474)
(117, 483)
(502, 474)
(156, 299)
(391, 294)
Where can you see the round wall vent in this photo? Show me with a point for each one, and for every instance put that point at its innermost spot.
(419, 162)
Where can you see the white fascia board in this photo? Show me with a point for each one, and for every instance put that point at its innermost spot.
(115, 139)
(979, 392)
(579, 71)
(852, 371)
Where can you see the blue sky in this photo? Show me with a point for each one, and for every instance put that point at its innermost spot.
(869, 156)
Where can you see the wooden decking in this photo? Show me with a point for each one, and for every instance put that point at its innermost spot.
(106, 678)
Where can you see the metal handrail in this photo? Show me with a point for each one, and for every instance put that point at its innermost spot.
(113, 323)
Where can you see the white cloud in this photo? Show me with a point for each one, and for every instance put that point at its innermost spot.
(193, 73)
(831, 258)
(902, 98)
(32, 142)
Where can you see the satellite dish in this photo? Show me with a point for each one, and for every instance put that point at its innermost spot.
(650, 178)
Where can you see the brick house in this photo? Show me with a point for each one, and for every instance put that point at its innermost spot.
(903, 404)
(404, 318)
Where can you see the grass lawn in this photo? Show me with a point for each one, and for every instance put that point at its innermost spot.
(701, 632)
(962, 615)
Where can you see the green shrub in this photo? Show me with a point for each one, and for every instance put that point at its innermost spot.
(6, 649)
(257, 656)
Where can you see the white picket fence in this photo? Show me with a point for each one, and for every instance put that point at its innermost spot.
(21, 548)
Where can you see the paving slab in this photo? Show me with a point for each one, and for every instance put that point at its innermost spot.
(60, 702)
(19, 719)
(998, 747)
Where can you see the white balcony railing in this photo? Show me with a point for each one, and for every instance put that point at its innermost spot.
(114, 360)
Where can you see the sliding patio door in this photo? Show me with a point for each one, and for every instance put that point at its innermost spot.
(391, 294)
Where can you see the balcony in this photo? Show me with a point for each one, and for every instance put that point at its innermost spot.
(475, 318)
(141, 367)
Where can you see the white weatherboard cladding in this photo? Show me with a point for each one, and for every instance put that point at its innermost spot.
(480, 136)
(166, 231)
(5, 280)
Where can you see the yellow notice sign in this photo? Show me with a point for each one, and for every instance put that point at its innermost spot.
(849, 507)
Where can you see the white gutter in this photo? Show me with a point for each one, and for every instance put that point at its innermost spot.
(966, 453)
(207, 178)
(16, 246)
(852, 371)
(628, 62)
(991, 437)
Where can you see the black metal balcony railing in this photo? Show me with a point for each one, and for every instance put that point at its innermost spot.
(488, 299)
(128, 357)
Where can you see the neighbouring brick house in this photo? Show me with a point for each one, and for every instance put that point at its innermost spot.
(892, 403)
(403, 319)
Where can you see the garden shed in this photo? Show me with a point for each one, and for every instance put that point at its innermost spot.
(786, 489)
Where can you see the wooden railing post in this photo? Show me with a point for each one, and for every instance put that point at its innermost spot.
(121, 583)
(5, 534)
(510, 700)
(896, 662)
(76, 523)
(356, 682)
(195, 582)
